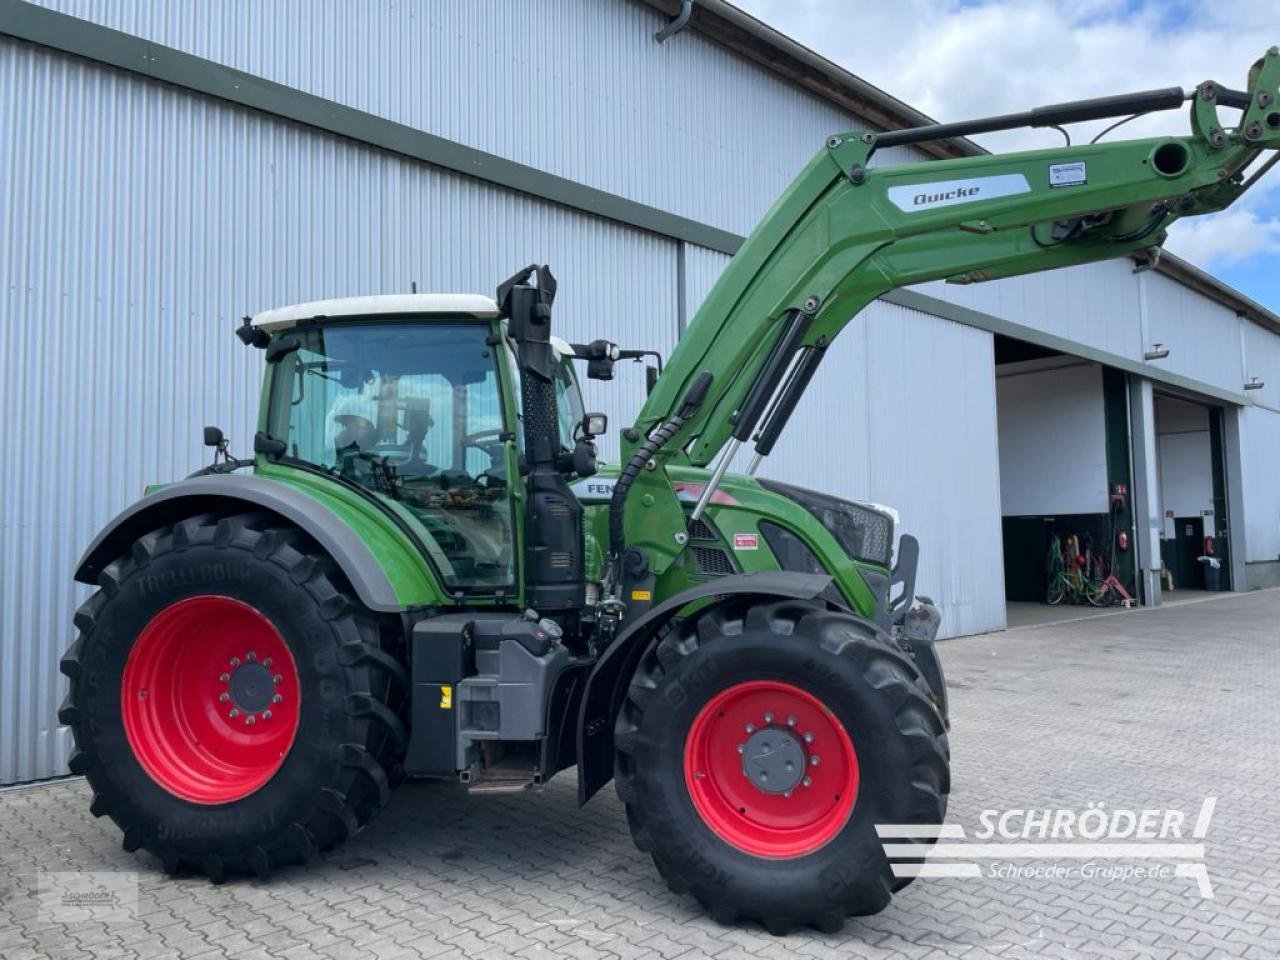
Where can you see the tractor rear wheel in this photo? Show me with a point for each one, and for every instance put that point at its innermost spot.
(234, 708)
(759, 747)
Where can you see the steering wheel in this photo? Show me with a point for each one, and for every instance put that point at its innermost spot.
(475, 439)
(490, 447)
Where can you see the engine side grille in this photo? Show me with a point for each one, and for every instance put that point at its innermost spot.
(713, 561)
(701, 530)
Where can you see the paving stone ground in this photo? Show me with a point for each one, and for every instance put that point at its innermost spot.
(1143, 709)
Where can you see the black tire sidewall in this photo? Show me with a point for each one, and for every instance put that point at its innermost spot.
(312, 761)
(850, 868)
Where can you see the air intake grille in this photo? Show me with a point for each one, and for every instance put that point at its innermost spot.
(701, 530)
(712, 561)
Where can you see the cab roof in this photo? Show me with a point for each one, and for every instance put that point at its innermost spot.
(378, 307)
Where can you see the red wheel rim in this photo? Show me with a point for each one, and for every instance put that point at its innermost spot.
(209, 699)
(775, 729)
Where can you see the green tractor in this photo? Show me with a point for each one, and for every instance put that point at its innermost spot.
(423, 571)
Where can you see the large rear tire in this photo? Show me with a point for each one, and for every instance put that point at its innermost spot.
(759, 747)
(234, 708)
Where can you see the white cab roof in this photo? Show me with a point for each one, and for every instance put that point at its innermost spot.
(381, 305)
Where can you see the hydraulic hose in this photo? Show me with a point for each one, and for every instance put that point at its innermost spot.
(652, 444)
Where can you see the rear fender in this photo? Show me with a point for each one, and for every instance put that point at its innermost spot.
(245, 493)
(607, 684)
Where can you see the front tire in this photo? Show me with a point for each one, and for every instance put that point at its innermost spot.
(234, 708)
(759, 747)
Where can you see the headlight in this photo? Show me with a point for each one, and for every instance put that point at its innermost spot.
(863, 532)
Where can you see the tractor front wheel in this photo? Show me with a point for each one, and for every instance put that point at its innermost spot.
(234, 707)
(759, 747)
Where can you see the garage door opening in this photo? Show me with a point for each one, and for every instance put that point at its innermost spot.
(1066, 510)
(1194, 548)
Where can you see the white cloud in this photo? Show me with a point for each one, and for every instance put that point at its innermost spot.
(957, 60)
(1226, 239)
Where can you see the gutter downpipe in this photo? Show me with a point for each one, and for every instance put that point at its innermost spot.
(679, 23)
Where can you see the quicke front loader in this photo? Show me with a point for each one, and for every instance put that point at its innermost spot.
(423, 572)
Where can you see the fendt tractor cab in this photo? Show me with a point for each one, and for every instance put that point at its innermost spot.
(422, 571)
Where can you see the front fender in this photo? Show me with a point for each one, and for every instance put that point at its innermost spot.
(370, 576)
(608, 682)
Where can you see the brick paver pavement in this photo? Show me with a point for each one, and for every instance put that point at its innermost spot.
(1149, 708)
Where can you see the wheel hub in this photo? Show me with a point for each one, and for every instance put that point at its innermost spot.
(251, 687)
(774, 760)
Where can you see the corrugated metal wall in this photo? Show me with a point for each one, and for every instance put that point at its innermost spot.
(577, 88)
(1095, 305)
(138, 223)
(1260, 450)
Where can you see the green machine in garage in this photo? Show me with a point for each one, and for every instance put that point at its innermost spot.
(422, 571)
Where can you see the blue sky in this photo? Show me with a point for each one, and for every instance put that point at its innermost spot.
(956, 59)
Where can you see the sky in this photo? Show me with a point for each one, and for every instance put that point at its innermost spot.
(958, 59)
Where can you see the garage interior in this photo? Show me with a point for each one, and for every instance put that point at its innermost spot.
(1189, 463)
(1066, 482)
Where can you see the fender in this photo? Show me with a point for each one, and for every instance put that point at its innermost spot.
(233, 491)
(607, 684)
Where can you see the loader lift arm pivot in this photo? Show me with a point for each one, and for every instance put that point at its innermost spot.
(844, 234)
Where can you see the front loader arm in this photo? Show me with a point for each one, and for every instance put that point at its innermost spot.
(843, 235)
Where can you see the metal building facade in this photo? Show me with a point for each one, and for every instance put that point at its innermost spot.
(140, 220)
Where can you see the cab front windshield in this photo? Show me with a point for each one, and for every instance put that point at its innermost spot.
(411, 411)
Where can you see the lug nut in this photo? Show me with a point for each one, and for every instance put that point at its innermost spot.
(806, 782)
(813, 760)
(751, 728)
(786, 793)
(234, 713)
(224, 697)
(248, 721)
(277, 678)
(768, 718)
(808, 738)
(251, 656)
(277, 698)
(224, 677)
(266, 714)
(791, 721)
(235, 661)
(742, 748)
(267, 662)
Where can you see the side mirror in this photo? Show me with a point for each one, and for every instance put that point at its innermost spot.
(594, 424)
(650, 378)
(213, 437)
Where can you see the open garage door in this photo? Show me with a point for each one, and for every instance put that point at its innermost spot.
(1064, 480)
(1194, 536)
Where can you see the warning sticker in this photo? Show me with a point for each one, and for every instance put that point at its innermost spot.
(446, 698)
(642, 595)
(746, 541)
(1073, 174)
